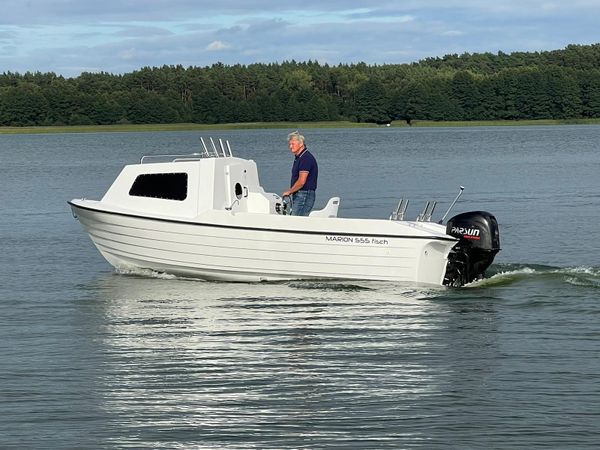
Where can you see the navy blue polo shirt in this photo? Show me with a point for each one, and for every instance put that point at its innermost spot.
(305, 162)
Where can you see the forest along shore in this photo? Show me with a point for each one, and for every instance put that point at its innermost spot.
(556, 85)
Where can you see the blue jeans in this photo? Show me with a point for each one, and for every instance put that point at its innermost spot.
(302, 203)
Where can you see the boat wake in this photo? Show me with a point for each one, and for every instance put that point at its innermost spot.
(498, 275)
(507, 274)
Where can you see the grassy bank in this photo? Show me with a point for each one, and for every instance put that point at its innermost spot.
(500, 123)
(285, 125)
(179, 127)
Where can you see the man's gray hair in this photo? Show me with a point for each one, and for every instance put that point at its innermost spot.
(296, 136)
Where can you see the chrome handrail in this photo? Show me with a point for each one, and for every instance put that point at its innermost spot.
(171, 158)
(223, 151)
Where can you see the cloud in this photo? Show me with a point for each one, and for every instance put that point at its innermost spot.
(451, 33)
(127, 54)
(142, 31)
(48, 12)
(121, 36)
(217, 45)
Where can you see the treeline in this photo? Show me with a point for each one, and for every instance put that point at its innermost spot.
(559, 84)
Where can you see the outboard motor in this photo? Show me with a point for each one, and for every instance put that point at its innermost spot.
(479, 241)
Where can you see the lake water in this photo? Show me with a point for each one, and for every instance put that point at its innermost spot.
(91, 358)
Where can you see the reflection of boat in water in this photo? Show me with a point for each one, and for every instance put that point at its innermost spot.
(207, 216)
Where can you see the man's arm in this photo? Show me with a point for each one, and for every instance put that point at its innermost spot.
(301, 181)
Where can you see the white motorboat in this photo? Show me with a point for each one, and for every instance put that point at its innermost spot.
(206, 215)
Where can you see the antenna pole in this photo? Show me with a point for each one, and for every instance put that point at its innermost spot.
(462, 188)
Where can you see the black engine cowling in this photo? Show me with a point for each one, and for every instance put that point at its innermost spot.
(479, 241)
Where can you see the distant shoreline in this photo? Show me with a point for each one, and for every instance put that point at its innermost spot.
(286, 125)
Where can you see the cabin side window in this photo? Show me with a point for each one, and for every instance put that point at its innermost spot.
(170, 186)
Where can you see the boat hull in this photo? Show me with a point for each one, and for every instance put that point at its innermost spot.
(227, 248)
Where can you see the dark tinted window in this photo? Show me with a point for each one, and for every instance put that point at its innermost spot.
(172, 186)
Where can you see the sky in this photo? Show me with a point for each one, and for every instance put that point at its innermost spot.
(69, 37)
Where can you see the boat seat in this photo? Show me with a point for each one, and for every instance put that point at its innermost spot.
(330, 210)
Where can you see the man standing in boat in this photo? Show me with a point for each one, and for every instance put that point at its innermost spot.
(304, 176)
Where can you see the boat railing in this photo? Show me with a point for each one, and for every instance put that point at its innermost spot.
(213, 150)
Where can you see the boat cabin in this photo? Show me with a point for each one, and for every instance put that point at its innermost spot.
(188, 185)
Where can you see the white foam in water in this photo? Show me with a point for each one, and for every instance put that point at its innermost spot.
(146, 273)
(583, 276)
(584, 282)
(594, 271)
(580, 276)
(502, 276)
